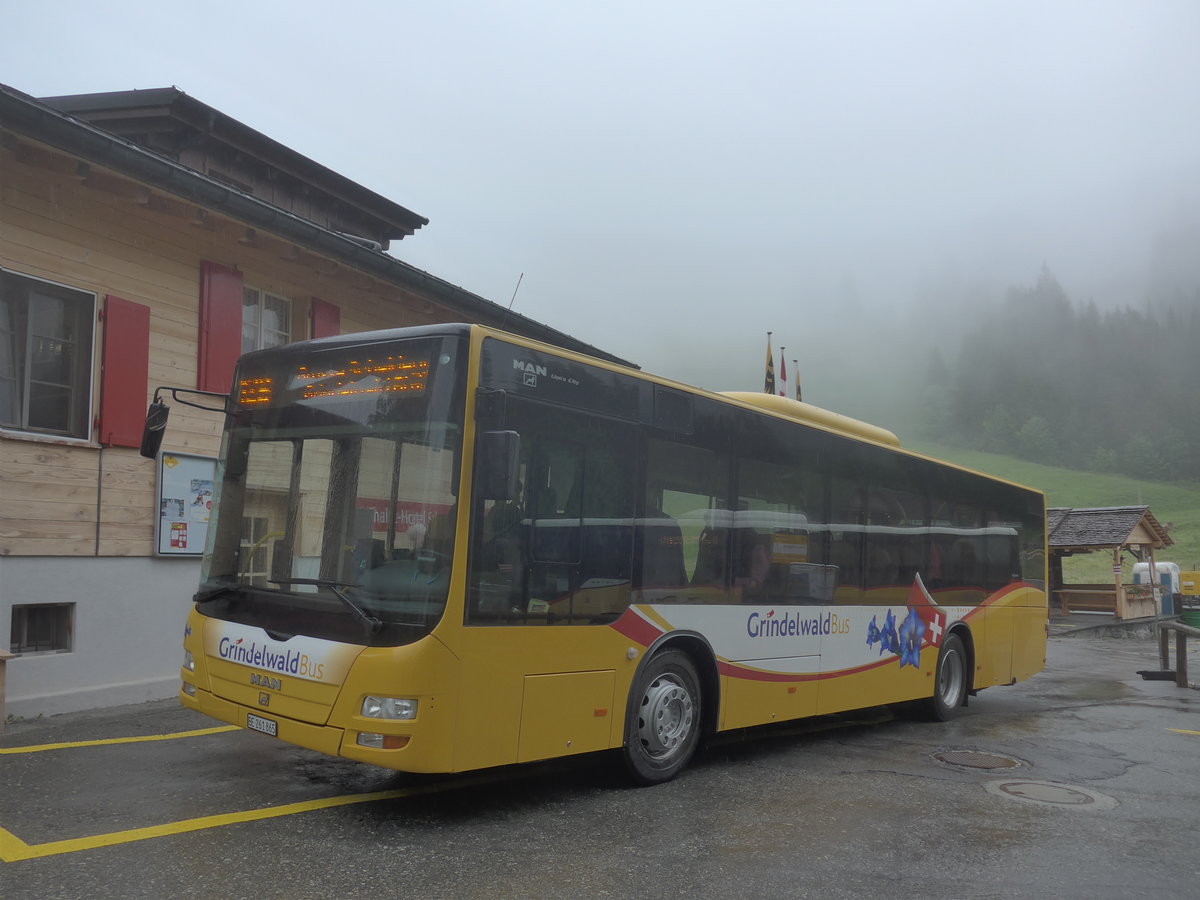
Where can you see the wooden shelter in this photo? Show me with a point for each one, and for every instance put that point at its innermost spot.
(1113, 528)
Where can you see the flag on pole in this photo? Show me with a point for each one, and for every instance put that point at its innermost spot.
(769, 382)
(782, 373)
(796, 366)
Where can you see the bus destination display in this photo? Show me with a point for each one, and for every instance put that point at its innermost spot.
(352, 379)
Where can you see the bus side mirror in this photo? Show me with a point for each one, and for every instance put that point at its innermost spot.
(156, 427)
(499, 456)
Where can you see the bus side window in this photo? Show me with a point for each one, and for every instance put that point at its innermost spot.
(711, 554)
(682, 552)
(562, 552)
(847, 522)
(752, 564)
(659, 547)
(779, 526)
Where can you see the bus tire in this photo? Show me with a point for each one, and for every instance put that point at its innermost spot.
(662, 722)
(949, 681)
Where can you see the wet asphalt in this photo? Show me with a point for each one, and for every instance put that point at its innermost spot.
(1081, 782)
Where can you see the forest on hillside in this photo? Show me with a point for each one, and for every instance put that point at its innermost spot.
(1062, 383)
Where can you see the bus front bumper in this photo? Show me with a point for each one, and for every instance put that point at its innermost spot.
(328, 739)
(322, 738)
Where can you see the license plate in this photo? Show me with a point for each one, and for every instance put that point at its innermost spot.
(258, 723)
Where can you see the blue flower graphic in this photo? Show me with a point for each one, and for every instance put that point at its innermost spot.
(912, 631)
(886, 636)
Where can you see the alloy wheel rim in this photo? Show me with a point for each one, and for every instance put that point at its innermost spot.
(665, 717)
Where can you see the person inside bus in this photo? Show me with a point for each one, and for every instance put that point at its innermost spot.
(752, 567)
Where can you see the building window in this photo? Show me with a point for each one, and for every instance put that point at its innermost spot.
(45, 356)
(42, 628)
(266, 320)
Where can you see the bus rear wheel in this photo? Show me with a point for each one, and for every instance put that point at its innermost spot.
(662, 723)
(949, 681)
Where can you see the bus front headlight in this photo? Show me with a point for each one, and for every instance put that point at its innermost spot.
(189, 661)
(389, 708)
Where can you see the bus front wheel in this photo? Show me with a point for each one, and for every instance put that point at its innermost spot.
(662, 724)
(949, 680)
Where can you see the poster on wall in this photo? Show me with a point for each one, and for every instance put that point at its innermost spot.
(185, 496)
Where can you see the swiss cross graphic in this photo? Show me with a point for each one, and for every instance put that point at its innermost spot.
(936, 626)
(925, 607)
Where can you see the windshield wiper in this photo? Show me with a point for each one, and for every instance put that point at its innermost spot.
(373, 625)
(214, 593)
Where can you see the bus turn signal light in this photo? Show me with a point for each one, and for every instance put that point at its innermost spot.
(382, 741)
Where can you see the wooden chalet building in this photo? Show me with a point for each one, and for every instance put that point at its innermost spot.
(147, 239)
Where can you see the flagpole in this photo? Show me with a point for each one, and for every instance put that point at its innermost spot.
(796, 366)
(769, 379)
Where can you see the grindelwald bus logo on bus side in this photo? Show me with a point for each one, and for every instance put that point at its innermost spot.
(795, 624)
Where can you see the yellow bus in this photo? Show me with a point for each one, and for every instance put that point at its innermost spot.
(448, 548)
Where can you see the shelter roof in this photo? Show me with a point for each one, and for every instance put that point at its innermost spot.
(1097, 528)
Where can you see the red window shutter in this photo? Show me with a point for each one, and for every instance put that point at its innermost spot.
(325, 319)
(220, 326)
(124, 372)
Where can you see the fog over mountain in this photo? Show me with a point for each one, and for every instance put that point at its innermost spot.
(670, 181)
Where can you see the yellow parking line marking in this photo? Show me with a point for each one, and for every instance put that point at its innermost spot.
(13, 849)
(37, 748)
(1182, 731)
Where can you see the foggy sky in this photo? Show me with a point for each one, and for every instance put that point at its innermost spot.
(675, 179)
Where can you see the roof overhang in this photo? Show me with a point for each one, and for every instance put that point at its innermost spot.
(34, 120)
(170, 110)
(1072, 530)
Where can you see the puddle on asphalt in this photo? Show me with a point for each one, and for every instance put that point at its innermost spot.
(1094, 691)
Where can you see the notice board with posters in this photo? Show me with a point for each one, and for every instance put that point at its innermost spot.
(185, 498)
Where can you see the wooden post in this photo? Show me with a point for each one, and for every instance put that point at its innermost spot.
(5, 656)
(1154, 591)
(1122, 610)
(1056, 577)
(1181, 672)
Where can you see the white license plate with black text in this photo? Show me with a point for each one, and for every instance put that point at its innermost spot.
(258, 723)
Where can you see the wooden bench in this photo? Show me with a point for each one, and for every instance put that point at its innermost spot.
(1139, 599)
(1092, 599)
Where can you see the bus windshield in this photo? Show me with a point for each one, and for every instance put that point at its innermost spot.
(336, 493)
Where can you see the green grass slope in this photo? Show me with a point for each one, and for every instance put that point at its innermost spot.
(1170, 503)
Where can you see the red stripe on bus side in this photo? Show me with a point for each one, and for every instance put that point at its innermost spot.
(735, 671)
(636, 628)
